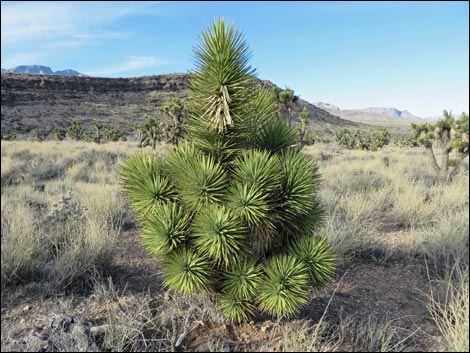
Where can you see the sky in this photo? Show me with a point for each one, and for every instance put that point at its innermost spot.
(408, 55)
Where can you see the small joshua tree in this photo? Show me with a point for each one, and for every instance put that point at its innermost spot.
(38, 134)
(304, 122)
(141, 134)
(59, 133)
(379, 139)
(174, 108)
(234, 212)
(451, 137)
(112, 134)
(7, 135)
(154, 131)
(98, 126)
(76, 131)
(88, 136)
(285, 100)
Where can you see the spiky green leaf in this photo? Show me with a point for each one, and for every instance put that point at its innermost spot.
(284, 287)
(276, 136)
(166, 229)
(319, 257)
(203, 183)
(242, 280)
(219, 233)
(234, 308)
(187, 271)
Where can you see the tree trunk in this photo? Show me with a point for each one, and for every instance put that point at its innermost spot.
(436, 167)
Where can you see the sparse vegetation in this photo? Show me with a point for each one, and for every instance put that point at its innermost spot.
(362, 140)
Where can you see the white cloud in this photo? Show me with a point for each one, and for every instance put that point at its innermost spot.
(33, 21)
(131, 64)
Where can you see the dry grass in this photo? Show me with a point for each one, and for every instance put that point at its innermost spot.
(369, 199)
(450, 311)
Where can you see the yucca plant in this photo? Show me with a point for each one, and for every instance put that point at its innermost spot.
(233, 210)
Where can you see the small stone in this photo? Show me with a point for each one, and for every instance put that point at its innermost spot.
(27, 308)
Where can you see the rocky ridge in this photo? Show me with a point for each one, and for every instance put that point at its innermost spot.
(48, 101)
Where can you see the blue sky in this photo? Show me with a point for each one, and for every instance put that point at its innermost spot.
(407, 55)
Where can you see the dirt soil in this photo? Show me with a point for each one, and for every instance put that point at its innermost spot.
(362, 289)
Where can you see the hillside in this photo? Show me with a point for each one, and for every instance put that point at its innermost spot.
(46, 101)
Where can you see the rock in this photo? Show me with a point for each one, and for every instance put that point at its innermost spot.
(27, 308)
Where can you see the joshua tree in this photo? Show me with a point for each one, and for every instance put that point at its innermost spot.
(88, 136)
(112, 134)
(379, 139)
(235, 211)
(98, 126)
(361, 140)
(154, 130)
(76, 131)
(285, 99)
(451, 136)
(304, 122)
(59, 133)
(142, 135)
(7, 135)
(174, 108)
(38, 134)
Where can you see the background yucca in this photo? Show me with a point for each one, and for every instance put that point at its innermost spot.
(233, 210)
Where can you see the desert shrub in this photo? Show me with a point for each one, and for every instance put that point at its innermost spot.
(60, 246)
(43, 168)
(235, 212)
(66, 208)
(420, 175)
(362, 181)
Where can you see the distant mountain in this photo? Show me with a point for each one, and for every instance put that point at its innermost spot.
(31, 69)
(370, 115)
(68, 72)
(41, 70)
